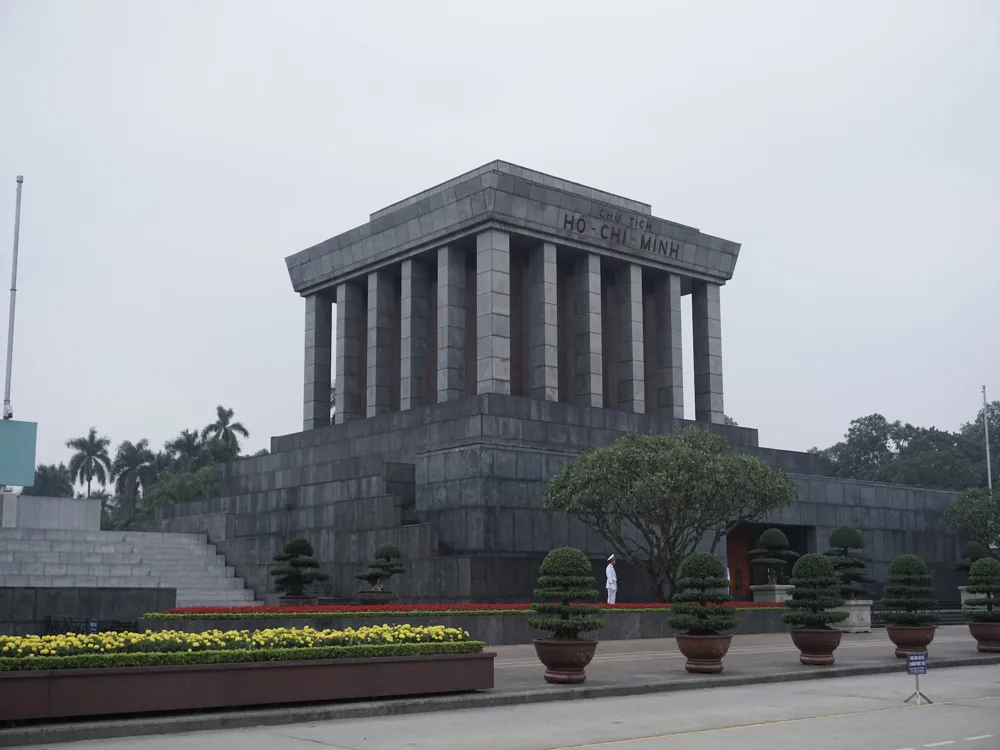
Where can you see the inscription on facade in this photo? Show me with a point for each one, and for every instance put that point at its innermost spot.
(619, 228)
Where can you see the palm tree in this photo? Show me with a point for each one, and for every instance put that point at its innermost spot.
(91, 460)
(225, 432)
(187, 449)
(161, 462)
(130, 469)
(51, 481)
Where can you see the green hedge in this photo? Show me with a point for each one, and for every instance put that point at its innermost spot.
(182, 658)
(399, 615)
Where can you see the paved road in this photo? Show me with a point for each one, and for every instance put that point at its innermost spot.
(860, 713)
(621, 663)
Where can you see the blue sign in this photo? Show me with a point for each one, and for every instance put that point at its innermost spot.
(17, 453)
(93, 626)
(916, 663)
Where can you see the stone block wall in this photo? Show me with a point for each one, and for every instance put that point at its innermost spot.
(457, 487)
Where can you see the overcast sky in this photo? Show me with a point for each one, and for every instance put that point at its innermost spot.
(175, 152)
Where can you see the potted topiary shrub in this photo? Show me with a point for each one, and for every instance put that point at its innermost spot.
(385, 566)
(972, 552)
(296, 568)
(984, 605)
(910, 609)
(772, 554)
(813, 608)
(697, 611)
(851, 567)
(565, 577)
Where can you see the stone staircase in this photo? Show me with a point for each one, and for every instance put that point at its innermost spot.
(121, 559)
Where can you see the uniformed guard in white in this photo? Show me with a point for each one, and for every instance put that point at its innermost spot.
(612, 584)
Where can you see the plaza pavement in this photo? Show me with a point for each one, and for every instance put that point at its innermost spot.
(621, 668)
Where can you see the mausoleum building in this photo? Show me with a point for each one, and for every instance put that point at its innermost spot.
(480, 335)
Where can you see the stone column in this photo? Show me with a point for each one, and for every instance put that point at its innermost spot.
(493, 312)
(451, 324)
(631, 357)
(350, 353)
(380, 326)
(319, 341)
(706, 327)
(668, 346)
(588, 390)
(543, 327)
(415, 323)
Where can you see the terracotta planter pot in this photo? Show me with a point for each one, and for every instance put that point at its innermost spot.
(703, 652)
(816, 645)
(910, 639)
(375, 597)
(987, 635)
(565, 661)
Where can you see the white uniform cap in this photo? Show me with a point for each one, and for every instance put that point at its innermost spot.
(611, 558)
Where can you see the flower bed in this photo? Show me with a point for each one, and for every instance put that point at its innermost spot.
(120, 673)
(73, 650)
(410, 610)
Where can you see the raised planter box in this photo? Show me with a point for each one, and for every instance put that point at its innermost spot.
(66, 693)
(859, 616)
(494, 630)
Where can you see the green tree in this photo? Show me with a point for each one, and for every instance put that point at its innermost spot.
(772, 554)
(51, 481)
(130, 468)
(909, 593)
(976, 517)
(849, 562)
(815, 594)
(225, 432)
(565, 577)
(984, 580)
(655, 497)
(701, 592)
(176, 486)
(296, 568)
(385, 566)
(90, 460)
(188, 450)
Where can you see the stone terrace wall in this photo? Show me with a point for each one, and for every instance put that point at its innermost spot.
(457, 486)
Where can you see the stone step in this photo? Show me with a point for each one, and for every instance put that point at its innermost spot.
(112, 571)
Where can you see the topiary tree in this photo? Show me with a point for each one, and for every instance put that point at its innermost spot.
(565, 577)
(385, 566)
(849, 563)
(909, 596)
(702, 590)
(972, 552)
(772, 554)
(815, 594)
(296, 568)
(984, 581)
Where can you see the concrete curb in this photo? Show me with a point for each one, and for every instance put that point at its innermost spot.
(176, 724)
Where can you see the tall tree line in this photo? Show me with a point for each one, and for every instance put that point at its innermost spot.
(134, 479)
(882, 451)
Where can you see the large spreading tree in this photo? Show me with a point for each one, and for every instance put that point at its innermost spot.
(654, 498)
(975, 516)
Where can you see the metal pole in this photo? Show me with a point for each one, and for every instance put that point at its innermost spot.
(986, 431)
(8, 412)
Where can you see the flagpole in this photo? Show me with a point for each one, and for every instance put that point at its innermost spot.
(986, 432)
(8, 412)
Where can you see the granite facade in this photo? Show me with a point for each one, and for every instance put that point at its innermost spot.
(457, 486)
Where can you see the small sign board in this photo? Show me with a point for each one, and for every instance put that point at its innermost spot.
(93, 627)
(916, 663)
